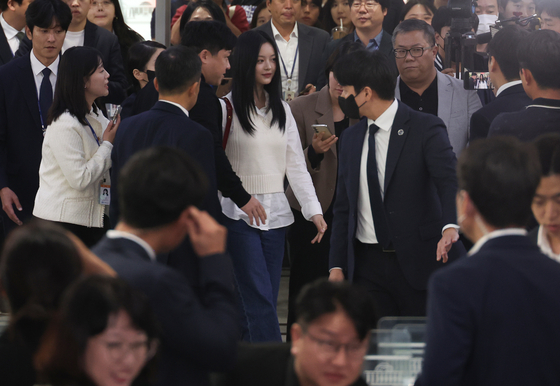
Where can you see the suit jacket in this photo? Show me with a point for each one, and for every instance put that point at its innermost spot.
(420, 187)
(312, 42)
(510, 100)
(269, 364)
(167, 125)
(455, 108)
(6, 54)
(108, 44)
(21, 137)
(309, 110)
(385, 47)
(492, 318)
(529, 123)
(198, 332)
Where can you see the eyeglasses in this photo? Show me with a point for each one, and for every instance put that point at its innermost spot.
(415, 52)
(330, 348)
(119, 350)
(101, 4)
(369, 4)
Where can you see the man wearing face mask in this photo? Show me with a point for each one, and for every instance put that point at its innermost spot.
(394, 212)
(487, 12)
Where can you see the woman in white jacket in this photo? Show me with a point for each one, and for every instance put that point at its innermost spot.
(76, 157)
(264, 147)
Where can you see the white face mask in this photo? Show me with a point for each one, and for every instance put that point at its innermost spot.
(484, 23)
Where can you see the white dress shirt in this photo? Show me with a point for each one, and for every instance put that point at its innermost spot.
(497, 233)
(287, 50)
(73, 39)
(544, 245)
(113, 234)
(11, 34)
(37, 67)
(176, 105)
(506, 86)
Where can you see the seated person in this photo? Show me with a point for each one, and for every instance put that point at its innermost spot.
(329, 342)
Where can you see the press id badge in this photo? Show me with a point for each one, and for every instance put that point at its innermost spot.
(289, 95)
(104, 194)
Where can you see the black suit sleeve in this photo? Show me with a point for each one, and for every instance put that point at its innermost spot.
(480, 126)
(117, 80)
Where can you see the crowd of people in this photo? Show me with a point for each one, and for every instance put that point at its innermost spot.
(343, 139)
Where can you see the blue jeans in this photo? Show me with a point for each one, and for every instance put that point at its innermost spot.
(257, 261)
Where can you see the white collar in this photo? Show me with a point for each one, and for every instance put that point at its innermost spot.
(177, 105)
(506, 86)
(275, 33)
(9, 31)
(385, 120)
(114, 234)
(37, 66)
(544, 245)
(495, 234)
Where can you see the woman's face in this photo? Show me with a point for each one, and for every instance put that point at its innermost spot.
(335, 89)
(266, 65)
(142, 76)
(98, 83)
(102, 13)
(263, 17)
(116, 356)
(201, 14)
(309, 13)
(419, 12)
(341, 10)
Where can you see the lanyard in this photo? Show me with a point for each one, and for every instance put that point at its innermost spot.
(293, 64)
(43, 128)
(93, 132)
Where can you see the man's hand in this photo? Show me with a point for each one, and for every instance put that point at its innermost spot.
(321, 227)
(9, 199)
(254, 210)
(336, 275)
(207, 236)
(321, 145)
(450, 236)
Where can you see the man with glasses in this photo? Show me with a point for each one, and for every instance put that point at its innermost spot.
(367, 17)
(329, 342)
(424, 89)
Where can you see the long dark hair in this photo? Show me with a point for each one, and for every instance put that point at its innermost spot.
(138, 57)
(243, 83)
(76, 66)
(126, 35)
(213, 9)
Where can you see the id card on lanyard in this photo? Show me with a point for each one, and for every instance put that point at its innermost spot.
(104, 187)
(289, 94)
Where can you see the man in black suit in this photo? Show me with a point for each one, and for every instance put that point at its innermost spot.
(12, 23)
(504, 74)
(168, 123)
(26, 92)
(493, 316)
(158, 192)
(329, 341)
(394, 212)
(539, 58)
(299, 47)
(367, 17)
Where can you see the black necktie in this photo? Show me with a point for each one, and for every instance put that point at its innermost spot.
(20, 35)
(45, 95)
(379, 219)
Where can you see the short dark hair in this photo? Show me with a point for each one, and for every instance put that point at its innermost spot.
(383, 3)
(324, 297)
(208, 35)
(363, 68)
(548, 149)
(503, 47)
(539, 52)
(341, 50)
(156, 185)
(213, 9)
(442, 18)
(139, 54)
(552, 7)
(41, 13)
(177, 69)
(412, 25)
(427, 4)
(85, 312)
(501, 175)
(76, 66)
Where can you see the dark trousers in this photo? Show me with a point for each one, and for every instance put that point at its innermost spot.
(89, 236)
(381, 275)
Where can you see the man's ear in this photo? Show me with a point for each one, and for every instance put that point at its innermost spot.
(526, 76)
(204, 56)
(194, 88)
(297, 334)
(493, 65)
(156, 84)
(11, 5)
(28, 33)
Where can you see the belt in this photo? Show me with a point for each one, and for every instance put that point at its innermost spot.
(378, 247)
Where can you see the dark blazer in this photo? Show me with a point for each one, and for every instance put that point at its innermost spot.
(312, 42)
(529, 123)
(269, 364)
(108, 44)
(510, 100)
(420, 188)
(167, 125)
(493, 318)
(21, 137)
(385, 47)
(199, 332)
(6, 54)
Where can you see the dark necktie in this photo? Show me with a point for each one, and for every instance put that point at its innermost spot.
(379, 219)
(20, 36)
(45, 95)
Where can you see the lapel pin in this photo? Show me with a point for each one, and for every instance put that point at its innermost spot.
(400, 132)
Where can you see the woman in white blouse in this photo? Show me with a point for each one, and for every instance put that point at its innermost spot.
(76, 157)
(263, 147)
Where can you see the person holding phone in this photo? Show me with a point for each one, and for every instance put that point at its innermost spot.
(74, 170)
(263, 147)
